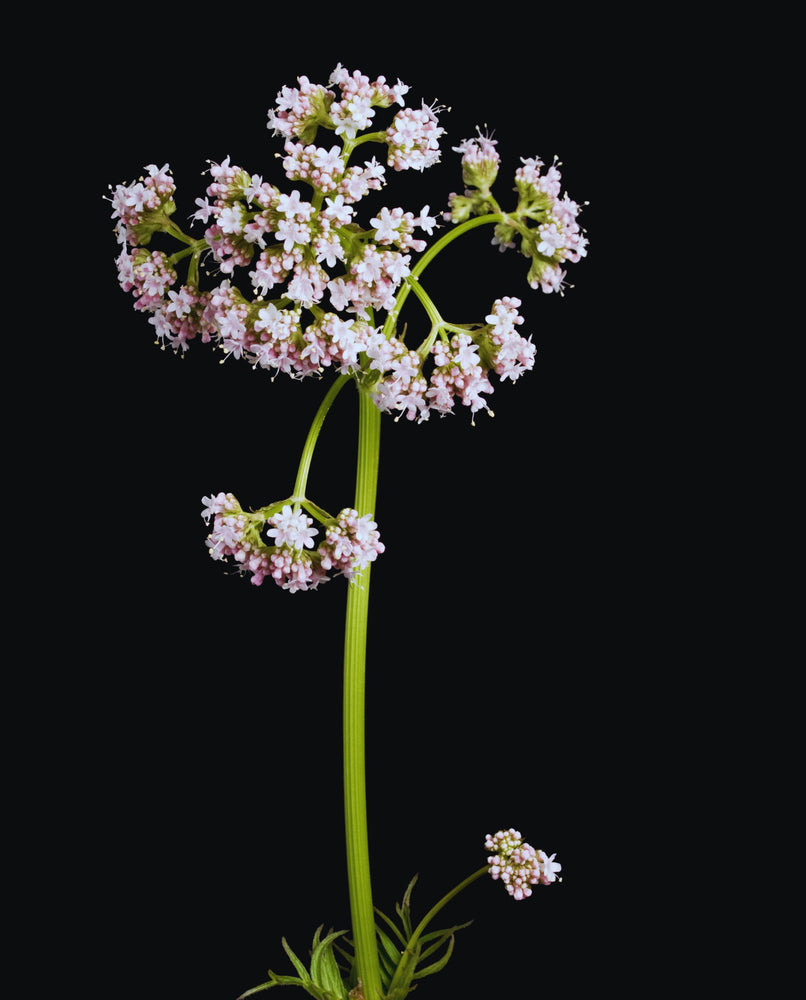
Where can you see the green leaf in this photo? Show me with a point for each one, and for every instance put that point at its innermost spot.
(303, 972)
(324, 968)
(387, 970)
(391, 923)
(429, 970)
(439, 936)
(388, 945)
(404, 908)
(257, 989)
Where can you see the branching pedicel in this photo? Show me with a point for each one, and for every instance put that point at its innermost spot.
(325, 293)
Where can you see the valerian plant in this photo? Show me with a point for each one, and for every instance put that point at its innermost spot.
(324, 297)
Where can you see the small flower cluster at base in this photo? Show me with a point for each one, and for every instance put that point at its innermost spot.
(351, 542)
(518, 865)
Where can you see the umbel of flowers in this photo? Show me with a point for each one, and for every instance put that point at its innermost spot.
(350, 542)
(518, 864)
(315, 277)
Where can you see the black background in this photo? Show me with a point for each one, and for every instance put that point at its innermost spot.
(201, 781)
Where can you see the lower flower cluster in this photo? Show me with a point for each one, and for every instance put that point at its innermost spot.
(350, 542)
(518, 865)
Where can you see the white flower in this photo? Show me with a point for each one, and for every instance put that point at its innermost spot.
(337, 211)
(292, 528)
(205, 208)
(292, 207)
(361, 112)
(213, 505)
(551, 239)
(291, 233)
(425, 221)
(329, 160)
(548, 867)
(230, 219)
(386, 226)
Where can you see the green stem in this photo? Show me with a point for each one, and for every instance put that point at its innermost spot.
(310, 442)
(355, 647)
(418, 930)
(428, 256)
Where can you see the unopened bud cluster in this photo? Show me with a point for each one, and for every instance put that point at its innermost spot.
(279, 544)
(517, 864)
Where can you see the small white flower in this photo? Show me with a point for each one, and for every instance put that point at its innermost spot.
(425, 221)
(292, 528)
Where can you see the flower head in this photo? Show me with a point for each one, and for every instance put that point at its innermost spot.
(517, 864)
(413, 139)
(480, 161)
(286, 554)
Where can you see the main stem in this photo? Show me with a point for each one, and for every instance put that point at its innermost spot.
(355, 649)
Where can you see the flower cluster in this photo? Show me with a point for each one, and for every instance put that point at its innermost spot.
(460, 369)
(413, 139)
(143, 206)
(299, 111)
(517, 864)
(302, 282)
(544, 224)
(279, 543)
(480, 163)
(290, 244)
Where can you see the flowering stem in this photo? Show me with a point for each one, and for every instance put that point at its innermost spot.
(310, 442)
(355, 645)
(418, 930)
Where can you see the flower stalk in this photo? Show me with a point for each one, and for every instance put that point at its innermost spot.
(313, 434)
(452, 234)
(355, 648)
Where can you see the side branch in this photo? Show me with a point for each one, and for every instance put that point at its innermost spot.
(493, 218)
